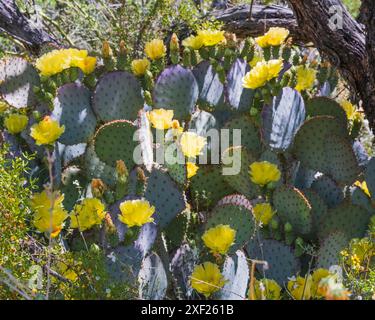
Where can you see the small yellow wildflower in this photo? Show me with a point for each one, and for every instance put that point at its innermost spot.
(305, 78)
(46, 131)
(192, 144)
(219, 239)
(274, 37)
(155, 49)
(67, 271)
(263, 213)
(363, 186)
(207, 278)
(161, 119)
(136, 212)
(300, 288)
(211, 37)
(262, 173)
(15, 123)
(267, 289)
(87, 214)
(317, 277)
(191, 169)
(49, 213)
(140, 66)
(262, 72)
(193, 42)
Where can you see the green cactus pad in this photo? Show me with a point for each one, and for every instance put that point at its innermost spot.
(238, 218)
(118, 95)
(211, 90)
(282, 119)
(304, 178)
(176, 89)
(241, 181)
(293, 207)
(178, 173)
(175, 232)
(360, 198)
(343, 166)
(250, 133)
(238, 97)
(328, 190)
(319, 209)
(330, 248)
(323, 106)
(310, 142)
(72, 108)
(211, 182)
(114, 141)
(69, 188)
(236, 271)
(350, 219)
(281, 260)
(17, 80)
(163, 193)
(370, 177)
(72, 153)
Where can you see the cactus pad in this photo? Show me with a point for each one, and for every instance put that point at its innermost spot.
(73, 110)
(330, 248)
(176, 89)
(238, 97)
(293, 207)
(370, 177)
(328, 190)
(323, 106)
(17, 79)
(282, 263)
(283, 118)
(361, 199)
(118, 95)
(114, 141)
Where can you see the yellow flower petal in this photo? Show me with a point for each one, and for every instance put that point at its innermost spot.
(211, 37)
(274, 37)
(88, 213)
(136, 212)
(263, 213)
(140, 66)
(15, 123)
(207, 278)
(262, 173)
(262, 72)
(193, 42)
(219, 239)
(305, 78)
(155, 49)
(161, 119)
(191, 169)
(192, 144)
(47, 131)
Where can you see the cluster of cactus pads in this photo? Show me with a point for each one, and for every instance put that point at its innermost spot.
(307, 136)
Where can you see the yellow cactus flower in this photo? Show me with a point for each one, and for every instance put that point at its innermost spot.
(3, 106)
(211, 37)
(317, 276)
(87, 214)
(263, 213)
(300, 288)
(193, 42)
(350, 110)
(155, 49)
(192, 144)
(267, 289)
(161, 119)
(49, 214)
(191, 169)
(219, 239)
(15, 123)
(140, 66)
(305, 78)
(207, 278)
(56, 61)
(136, 212)
(274, 37)
(363, 186)
(176, 128)
(262, 72)
(257, 58)
(46, 131)
(262, 173)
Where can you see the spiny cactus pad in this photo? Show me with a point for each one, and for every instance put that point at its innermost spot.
(330, 247)
(348, 218)
(323, 106)
(281, 260)
(176, 89)
(114, 141)
(240, 182)
(238, 97)
(360, 198)
(72, 108)
(238, 218)
(283, 118)
(310, 142)
(163, 193)
(329, 190)
(17, 80)
(211, 90)
(293, 207)
(210, 181)
(370, 177)
(250, 133)
(118, 95)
